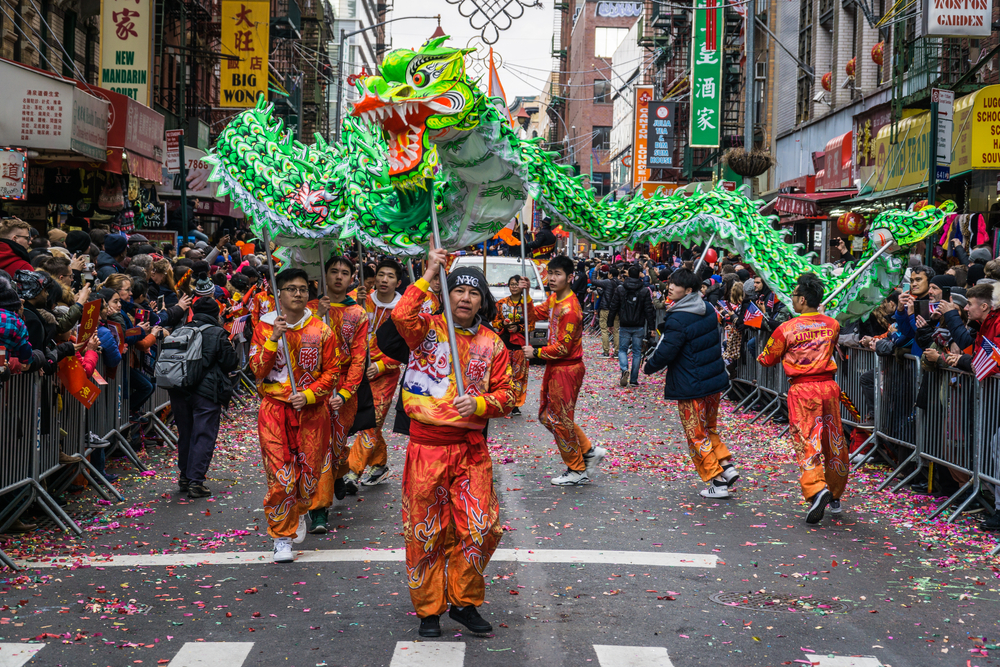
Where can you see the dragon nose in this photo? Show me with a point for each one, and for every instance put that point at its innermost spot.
(403, 91)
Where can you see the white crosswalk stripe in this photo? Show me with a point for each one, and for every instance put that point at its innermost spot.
(844, 661)
(15, 655)
(212, 654)
(632, 656)
(428, 654)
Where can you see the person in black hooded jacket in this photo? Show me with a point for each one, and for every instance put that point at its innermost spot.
(197, 410)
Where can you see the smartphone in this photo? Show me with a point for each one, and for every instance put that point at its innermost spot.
(922, 307)
(946, 294)
(160, 304)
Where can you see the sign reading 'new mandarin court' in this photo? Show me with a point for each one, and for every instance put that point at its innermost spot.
(126, 45)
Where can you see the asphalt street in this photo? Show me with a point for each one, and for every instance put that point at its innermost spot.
(633, 570)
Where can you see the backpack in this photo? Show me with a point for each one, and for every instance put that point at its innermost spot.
(179, 364)
(630, 313)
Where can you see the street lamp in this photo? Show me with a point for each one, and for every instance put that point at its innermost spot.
(340, 60)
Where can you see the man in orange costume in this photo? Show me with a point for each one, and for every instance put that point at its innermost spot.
(293, 427)
(448, 474)
(563, 377)
(806, 345)
(350, 325)
(510, 324)
(368, 453)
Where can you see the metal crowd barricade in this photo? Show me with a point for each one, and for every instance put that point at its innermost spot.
(154, 409)
(17, 442)
(947, 429)
(771, 382)
(896, 418)
(988, 436)
(107, 413)
(851, 366)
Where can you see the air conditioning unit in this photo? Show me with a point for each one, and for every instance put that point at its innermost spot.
(760, 71)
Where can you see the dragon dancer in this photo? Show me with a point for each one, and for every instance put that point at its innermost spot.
(448, 475)
(368, 459)
(805, 345)
(564, 371)
(293, 426)
(510, 323)
(350, 326)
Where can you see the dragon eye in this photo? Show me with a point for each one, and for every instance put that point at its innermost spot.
(419, 78)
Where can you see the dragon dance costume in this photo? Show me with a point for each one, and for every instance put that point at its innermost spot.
(806, 346)
(512, 312)
(349, 324)
(292, 442)
(563, 377)
(369, 448)
(448, 474)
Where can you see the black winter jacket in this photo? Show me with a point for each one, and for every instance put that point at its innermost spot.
(691, 351)
(219, 358)
(632, 288)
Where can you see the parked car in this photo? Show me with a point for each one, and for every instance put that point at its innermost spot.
(498, 272)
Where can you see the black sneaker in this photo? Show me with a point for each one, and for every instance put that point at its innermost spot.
(198, 490)
(350, 484)
(817, 505)
(339, 490)
(318, 522)
(183, 483)
(624, 379)
(993, 523)
(470, 618)
(515, 411)
(430, 626)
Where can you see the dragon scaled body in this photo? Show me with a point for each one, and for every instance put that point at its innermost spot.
(422, 117)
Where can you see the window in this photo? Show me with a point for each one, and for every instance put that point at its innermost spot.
(602, 138)
(601, 180)
(602, 91)
(606, 40)
(804, 102)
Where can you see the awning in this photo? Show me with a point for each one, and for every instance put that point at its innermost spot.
(889, 194)
(805, 204)
(48, 114)
(837, 165)
(135, 137)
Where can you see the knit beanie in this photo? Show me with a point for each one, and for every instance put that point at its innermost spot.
(205, 305)
(8, 296)
(473, 277)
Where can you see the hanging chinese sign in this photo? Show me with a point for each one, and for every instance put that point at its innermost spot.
(245, 40)
(661, 133)
(706, 74)
(13, 168)
(640, 136)
(126, 47)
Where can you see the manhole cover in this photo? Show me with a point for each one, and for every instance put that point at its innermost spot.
(782, 602)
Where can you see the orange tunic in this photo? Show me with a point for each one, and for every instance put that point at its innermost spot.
(512, 312)
(431, 304)
(565, 318)
(317, 359)
(807, 344)
(261, 304)
(428, 390)
(350, 325)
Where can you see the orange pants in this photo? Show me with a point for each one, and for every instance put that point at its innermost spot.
(699, 417)
(560, 389)
(369, 448)
(335, 459)
(448, 477)
(519, 375)
(291, 445)
(814, 415)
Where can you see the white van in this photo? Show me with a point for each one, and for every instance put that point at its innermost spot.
(498, 272)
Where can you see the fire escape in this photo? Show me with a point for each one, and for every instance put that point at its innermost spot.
(556, 107)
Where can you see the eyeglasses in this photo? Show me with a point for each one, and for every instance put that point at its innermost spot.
(295, 290)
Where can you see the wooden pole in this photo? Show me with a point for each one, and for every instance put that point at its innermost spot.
(277, 309)
(456, 365)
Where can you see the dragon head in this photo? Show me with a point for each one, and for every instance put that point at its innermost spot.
(419, 97)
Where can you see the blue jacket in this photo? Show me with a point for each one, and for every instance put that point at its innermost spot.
(691, 351)
(109, 347)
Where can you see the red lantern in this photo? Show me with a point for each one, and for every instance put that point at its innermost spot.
(711, 256)
(850, 66)
(877, 52)
(827, 81)
(851, 223)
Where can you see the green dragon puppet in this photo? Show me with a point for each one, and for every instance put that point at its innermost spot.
(423, 118)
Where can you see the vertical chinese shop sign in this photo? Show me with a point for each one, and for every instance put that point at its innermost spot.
(126, 47)
(706, 74)
(640, 136)
(245, 40)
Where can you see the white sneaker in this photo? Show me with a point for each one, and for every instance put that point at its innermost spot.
(283, 550)
(571, 478)
(593, 459)
(731, 475)
(376, 475)
(835, 507)
(715, 491)
(302, 530)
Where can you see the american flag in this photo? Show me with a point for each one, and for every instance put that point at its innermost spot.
(238, 327)
(753, 317)
(986, 360)
(771, 300)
